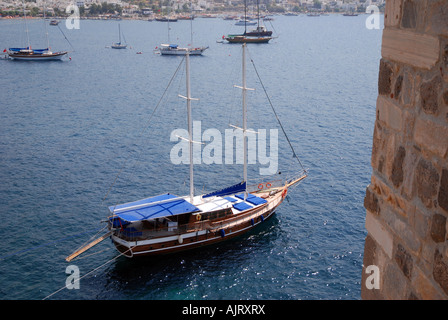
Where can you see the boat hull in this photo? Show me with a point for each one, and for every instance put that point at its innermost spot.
(37, 57)
(182, 51)
(216, 233)
(242, 39)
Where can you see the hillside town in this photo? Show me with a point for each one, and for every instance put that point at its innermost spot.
(150, 8)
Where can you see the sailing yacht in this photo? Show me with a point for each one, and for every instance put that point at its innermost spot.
(258, 35)
(30, 54)
(119, 45)
(174, 49)
(168, 223)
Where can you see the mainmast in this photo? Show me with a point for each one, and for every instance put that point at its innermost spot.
(190, 122)
(244, 119)
(244, 88)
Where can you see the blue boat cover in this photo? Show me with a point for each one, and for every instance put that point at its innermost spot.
(241, 206)
(231, 199)
(27, 48)
(229, 190)
(155, 207)
(252, 199)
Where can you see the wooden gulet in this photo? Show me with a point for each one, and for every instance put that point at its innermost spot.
(167, 223)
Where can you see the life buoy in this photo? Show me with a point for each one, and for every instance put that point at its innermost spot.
(268, 185)
(198, 217)
(260, 186)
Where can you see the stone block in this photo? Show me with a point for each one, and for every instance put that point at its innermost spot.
(389, 113)
(397, 167)
(384, 78)
(425, 287)
(415, 49)
(429, 93)
(431, 136)
(404, 261)
(440, 271)
(398, 86)
(409, 16)
(392, 13)
(438, 22)
(382, 236)
(371, 201)
(427, 180)
(438, 228)
(443, 191)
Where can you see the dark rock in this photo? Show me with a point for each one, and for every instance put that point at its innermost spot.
(404, 261)
(438, 228)
(429, 92)
(427, 179)
(384, 78)
(409, 17)
(440, 271)
(443, 191)
(397, 167)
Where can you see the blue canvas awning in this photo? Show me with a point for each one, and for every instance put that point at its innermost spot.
(164, 205)
(227, 191)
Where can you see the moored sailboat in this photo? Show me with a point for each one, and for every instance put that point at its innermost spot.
(174, 49)
(258, 35)
(167, 223)
(119, 45)
(29, 54)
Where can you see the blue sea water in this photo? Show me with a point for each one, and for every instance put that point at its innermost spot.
(68, 128)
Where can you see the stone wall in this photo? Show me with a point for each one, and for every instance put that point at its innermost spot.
(407, 199)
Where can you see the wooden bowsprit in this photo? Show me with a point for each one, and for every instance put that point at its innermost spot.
(87, 247)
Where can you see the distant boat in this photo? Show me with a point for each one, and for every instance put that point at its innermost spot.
(313, 14)
(174, 49)
(119, 45)
(34, 54)
(29, 54)
(166, 19)
(245, 22)
(259, 35)
(54, 22)
(350, 14)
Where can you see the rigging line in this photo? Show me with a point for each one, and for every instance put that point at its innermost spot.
(276, 116)
(88, 273)
(66, 38)
(145, 128)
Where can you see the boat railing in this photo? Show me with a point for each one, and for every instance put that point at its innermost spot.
(132, 234)
(265, 184)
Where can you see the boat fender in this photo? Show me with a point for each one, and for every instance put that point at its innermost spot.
(222, 232)
(180, 239)
(252, 222)
(262, 218)
(198, 217)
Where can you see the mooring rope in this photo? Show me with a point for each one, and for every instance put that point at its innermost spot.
(88, 273)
